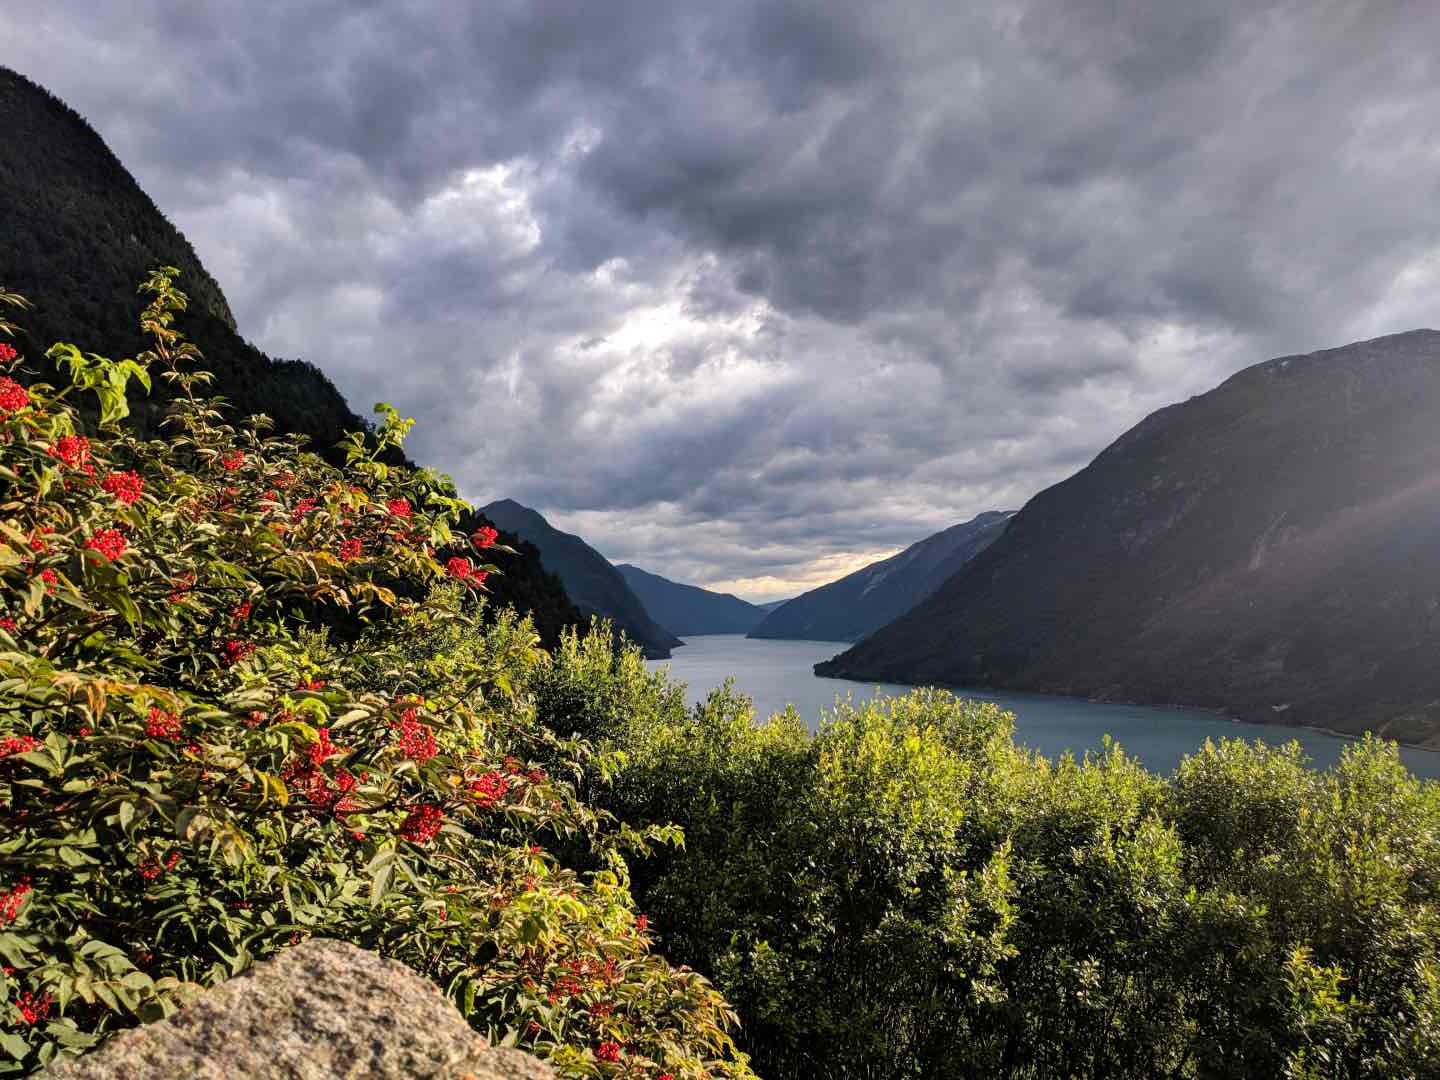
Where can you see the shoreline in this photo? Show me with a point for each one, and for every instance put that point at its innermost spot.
(1348, 736)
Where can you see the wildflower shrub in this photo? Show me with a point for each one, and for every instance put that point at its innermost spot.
(246, 697)
(906, 893)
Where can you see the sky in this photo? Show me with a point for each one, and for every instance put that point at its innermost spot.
(751, 294)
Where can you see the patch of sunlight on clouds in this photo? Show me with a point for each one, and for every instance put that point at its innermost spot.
(821, 571)
(484, 208)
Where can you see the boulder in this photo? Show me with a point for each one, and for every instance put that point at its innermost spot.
(324, 1010)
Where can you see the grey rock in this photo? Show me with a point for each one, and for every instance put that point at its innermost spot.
(324, 1010)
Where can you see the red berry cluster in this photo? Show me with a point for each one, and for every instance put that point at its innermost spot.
(608, 1051)
(34, 1008)
(150, 869)
(461, 569)
(350, 549)
(233, 651)
(7, 353)
(13, 397)
(17, 744)
(489, 789)
(110, 543)
(422, 823)
(307, 776)
(74, 452)
(483, 537)
(233, 461)
(162, 724)
(125, 486)
(11, 902)
(400, 508)
(416, 741)
(565, 986)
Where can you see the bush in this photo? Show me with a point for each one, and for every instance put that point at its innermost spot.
(246, 697)
(906, 893)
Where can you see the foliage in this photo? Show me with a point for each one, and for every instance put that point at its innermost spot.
(195, 772)
(907, 893)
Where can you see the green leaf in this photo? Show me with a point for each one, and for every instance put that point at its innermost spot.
(380, 868)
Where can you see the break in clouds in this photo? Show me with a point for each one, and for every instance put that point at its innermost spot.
(752, 293)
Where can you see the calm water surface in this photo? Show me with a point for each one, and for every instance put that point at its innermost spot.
(778, 673)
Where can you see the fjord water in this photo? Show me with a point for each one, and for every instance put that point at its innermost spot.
(776, 673)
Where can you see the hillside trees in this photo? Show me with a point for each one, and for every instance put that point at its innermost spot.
(907, 893)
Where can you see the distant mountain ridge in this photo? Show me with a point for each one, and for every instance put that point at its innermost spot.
(860, 603)
(595, 586)
(686, 610)
(79, 234)
(1270, 549)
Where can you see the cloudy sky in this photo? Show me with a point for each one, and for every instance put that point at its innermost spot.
(751, 293)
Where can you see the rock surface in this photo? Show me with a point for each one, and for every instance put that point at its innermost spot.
(324, 1010)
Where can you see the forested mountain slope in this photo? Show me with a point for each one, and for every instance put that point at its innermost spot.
(79, 234)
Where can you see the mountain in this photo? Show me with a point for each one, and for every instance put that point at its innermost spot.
(79, 235)
(1270, 549)
(862, 602)
(593, 584)
(689, 609)
(771, 605)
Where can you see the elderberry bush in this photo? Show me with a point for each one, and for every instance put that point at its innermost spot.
(248, 696)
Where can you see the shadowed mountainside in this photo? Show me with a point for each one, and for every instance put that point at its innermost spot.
(592, 582)
(80, 234)
(1270, 549)
(860, 603)
(689, 609)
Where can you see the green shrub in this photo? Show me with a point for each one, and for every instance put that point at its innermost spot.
(245, 698)
(908, 894)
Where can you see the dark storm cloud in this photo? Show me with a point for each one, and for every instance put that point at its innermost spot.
(747, 293)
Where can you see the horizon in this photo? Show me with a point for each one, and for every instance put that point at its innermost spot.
(753, 298)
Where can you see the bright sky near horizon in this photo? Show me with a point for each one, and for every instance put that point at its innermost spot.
(751, 294)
